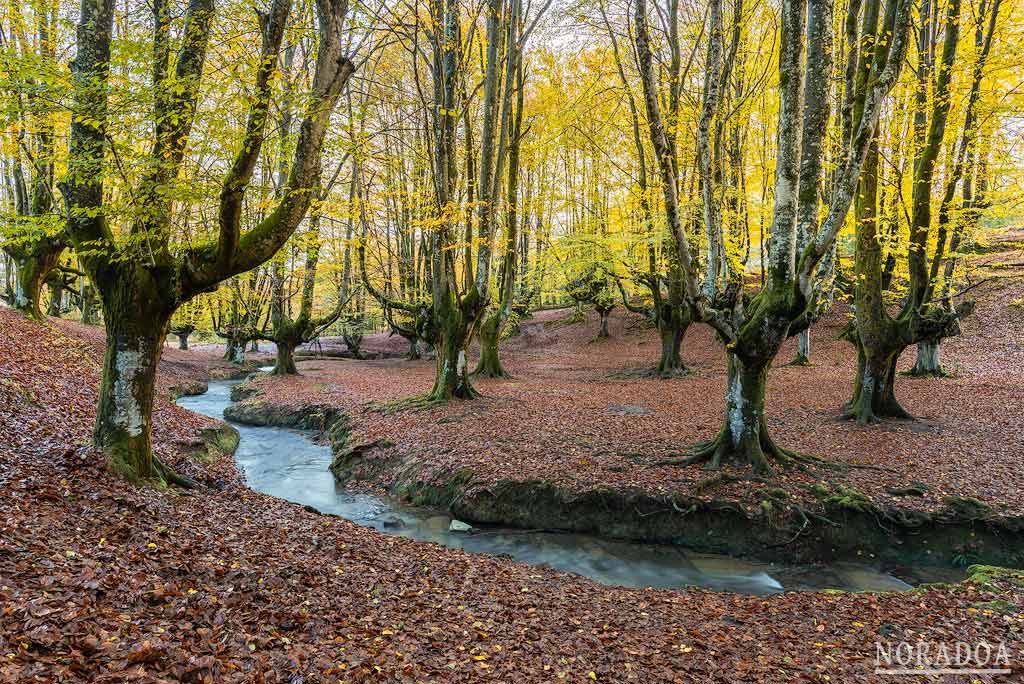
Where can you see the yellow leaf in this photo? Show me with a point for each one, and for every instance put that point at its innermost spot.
(592, 675)
(482, 656)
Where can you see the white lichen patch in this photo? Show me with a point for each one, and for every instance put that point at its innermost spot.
(128, 364)
(736, 403)
(461, 367)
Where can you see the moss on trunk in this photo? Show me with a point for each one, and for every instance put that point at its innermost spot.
(452, 378)
(34, 267)
(672, 330)
(285, 362)
(489, 365)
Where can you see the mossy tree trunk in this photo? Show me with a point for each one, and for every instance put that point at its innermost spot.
(744, 436)
(137, 321)
(672, 326)
(881, 338)
(874, 392)
(56, 287)
(928, 363)
(284, 363)
(90, 308)
(803, 349)
(452, 378)
(489, 365)
(602, 330)
(35, 266)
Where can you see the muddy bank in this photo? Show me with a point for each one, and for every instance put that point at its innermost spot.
(844, 525)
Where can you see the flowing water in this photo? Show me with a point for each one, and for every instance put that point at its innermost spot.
(288, 464)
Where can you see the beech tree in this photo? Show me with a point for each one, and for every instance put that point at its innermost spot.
(669, 310)
(753, 327)
(923, 318)
(140, 279)
(33, 234)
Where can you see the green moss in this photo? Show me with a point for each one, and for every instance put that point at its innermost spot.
(849, 498)
(988, 576)
(219, 439)
(775, 494)
(967, 508)
(819, 489)
(998, 605)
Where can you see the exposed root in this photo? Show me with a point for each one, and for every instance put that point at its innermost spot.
(170, 476)
(496, 374)
(802, 361)
(935, 373)
(865, 414)
(419, 402)
(762, 454)
(649, 373)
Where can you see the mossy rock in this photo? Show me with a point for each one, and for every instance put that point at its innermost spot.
(990, 576)
(965, 508)
(842, 497)
(222, 437)
(244, 390)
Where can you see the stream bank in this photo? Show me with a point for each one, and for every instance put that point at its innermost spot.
(285, 463)
(842, 525)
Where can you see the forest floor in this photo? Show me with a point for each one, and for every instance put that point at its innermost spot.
(102, 581)
(570, 416)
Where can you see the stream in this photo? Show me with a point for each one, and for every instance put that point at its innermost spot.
(288, 464)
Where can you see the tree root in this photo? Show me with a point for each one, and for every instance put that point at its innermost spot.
(499, 374)
(167, 474)
(867, 415)
(714, 453)
(934, 374)
(654, 373)
(418, 402)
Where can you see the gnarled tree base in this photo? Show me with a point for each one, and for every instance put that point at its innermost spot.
(761, 453)
(928, 363)
(127, 465)
(874, 396)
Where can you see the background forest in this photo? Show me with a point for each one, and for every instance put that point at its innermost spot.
(441, 170)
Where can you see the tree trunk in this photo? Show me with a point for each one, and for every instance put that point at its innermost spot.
(672, 331)
(803, 348)
(929, 362)
(603, 330)
(183, 340)
(414, 350)
(56, 295)
(880, 338)
(89, 305)
(744, 437)
(32, 274)
(452, 379)
(285, 364)
(489, 365)
(874, 393)
(124, 419)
